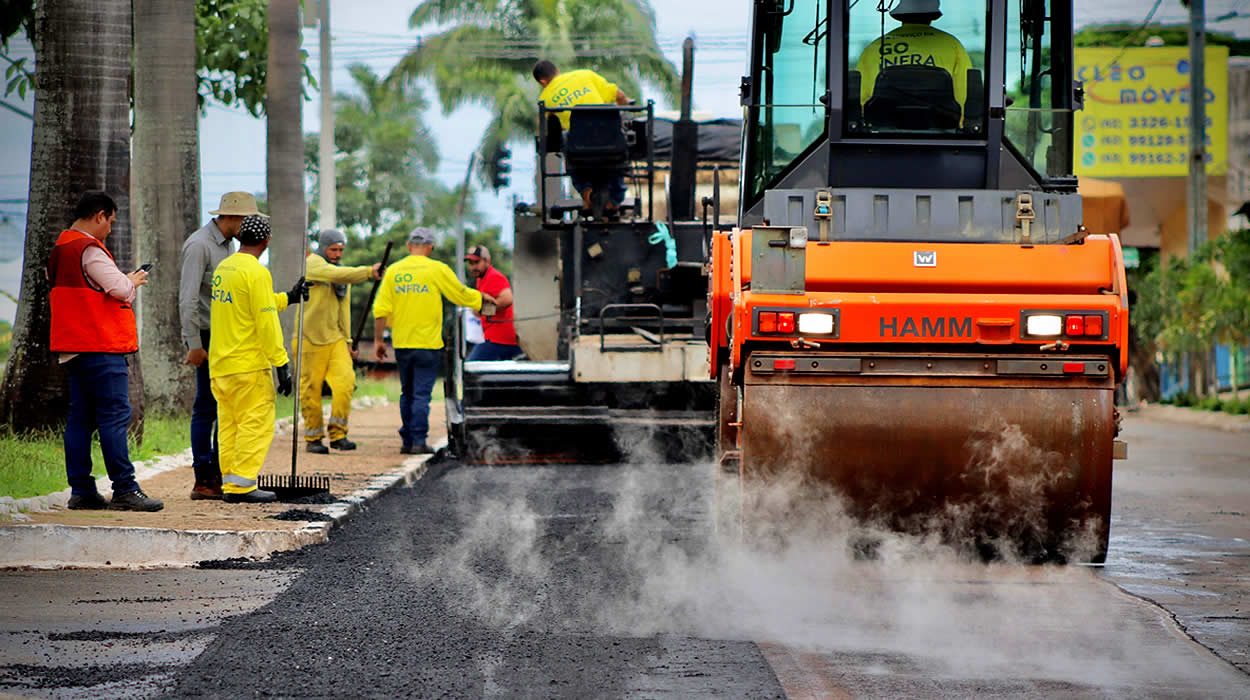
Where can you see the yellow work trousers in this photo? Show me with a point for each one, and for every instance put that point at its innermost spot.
(244, 427)
(331, 364)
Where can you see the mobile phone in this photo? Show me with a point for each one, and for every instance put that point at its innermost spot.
(144, 267)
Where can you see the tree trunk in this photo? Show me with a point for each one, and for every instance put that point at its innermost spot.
(285, 150)
(166, 188)
(81, 142)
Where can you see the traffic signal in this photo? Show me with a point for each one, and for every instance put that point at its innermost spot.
(501, 167)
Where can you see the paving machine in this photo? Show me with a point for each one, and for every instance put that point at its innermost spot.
(912, 316)
(610, 308)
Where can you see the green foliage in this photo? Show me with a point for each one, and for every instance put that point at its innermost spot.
(483, 53)
(383, 152)
(16, 16)
(1210, 403)
(1172, 35)
(1190, 304)
(232, 42)
(34, 464)
(1236, 407)
(6, 339)
(231, 39)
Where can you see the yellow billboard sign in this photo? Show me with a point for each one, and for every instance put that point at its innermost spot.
(1136, 117)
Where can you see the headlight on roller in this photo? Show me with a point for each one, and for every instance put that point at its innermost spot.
(815, 324)
(1044, 325)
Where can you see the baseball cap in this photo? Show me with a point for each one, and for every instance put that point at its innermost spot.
(421, 235)
(478, 252)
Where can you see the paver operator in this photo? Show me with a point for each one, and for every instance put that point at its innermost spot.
(202, 252)
(410, 300)
(327, 342)
(247, 343)
(571, 89)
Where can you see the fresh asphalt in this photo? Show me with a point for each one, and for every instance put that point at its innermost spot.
(607, 581)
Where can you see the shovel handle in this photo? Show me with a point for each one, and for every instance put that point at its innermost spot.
(360, 325)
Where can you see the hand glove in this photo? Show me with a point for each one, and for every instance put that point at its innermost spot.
(284, 379)
(299, 291)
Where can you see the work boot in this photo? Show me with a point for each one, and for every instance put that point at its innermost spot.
(317, 448)
(421, 448)
(253, 496)
(343, 444)
(135, 500)
(206, 491)
(91, 501)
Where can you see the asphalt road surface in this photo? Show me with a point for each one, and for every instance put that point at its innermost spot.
(607, 581)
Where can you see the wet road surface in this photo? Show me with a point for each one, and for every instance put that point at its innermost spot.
(607, 582)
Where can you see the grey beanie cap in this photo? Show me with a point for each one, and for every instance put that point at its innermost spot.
(329, 237)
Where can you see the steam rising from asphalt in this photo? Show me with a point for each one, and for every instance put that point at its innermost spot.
(659, 567)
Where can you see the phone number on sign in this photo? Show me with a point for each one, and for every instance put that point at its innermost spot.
(1161, 122)
(1165, 158)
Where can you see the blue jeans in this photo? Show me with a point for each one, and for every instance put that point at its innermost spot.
(614, 182)
(204, 457)
(493, 352)
(418, 368)
(98, 400)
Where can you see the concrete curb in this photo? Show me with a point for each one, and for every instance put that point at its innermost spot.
(45, 546)
(1217, 420)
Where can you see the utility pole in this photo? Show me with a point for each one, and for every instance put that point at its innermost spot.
(326, 175)
(1197, 125)
(464, 193)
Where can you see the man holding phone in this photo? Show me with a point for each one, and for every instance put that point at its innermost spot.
(92, 331)
(202, 252)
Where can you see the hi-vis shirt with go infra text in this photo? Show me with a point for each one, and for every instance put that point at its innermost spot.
(577, 87)
(247, 336)
(915, 45)
(411, 299)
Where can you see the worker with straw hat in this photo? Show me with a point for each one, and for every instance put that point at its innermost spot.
(202, 252)
(247, 342)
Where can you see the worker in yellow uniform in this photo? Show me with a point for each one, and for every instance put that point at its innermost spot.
(915, 44)
(410, 300)
(327, 346)
(571, 89)
(247, 342)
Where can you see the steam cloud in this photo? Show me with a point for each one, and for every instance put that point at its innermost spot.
(663, 569)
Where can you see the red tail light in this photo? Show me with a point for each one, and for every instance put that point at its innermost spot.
(1093, 325)
(785, 322)
(1074, 325)
(768, 322)
(783, 364)
(1074, 368)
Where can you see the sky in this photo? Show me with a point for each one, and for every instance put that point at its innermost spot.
(375, 32)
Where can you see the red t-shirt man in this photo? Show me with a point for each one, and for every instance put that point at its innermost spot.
(499, 331)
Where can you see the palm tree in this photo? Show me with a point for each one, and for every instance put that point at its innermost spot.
(285, 149)
(384, 150)
(485, 55)
(81, 141)
(166, 185)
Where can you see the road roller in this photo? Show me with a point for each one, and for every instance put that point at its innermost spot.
(909, 316)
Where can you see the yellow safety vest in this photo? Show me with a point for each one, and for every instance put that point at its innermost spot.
(246, 333)
(327, 318)
(577, 87)
(915, 45)
(411, 299)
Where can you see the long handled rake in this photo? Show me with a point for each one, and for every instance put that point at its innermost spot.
(294, 486)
